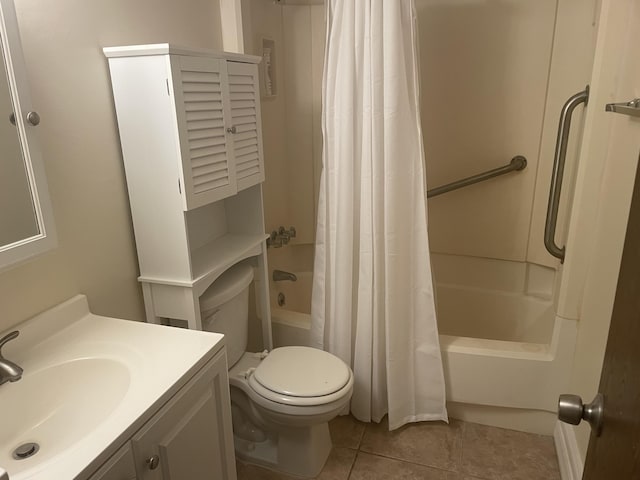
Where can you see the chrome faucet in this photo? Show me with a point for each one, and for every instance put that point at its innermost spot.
(9, 371)
(281, 237)
(280, 275)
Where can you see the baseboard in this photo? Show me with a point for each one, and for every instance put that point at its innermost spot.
(569, 457)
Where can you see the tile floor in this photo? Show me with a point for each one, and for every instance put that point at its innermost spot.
(429, 451)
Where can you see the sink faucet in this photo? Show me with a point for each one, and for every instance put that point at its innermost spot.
(279, 275)
(9, 371)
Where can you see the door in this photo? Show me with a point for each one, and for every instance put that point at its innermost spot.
(615, 454)
(191, 436)
(119, 467)
(201, 94)
(244, 99)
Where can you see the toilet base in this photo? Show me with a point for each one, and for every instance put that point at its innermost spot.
(295, 451)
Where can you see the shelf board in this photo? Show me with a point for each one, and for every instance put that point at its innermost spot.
(211, 260)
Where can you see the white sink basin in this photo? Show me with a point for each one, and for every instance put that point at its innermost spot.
(57, 406)
(89, 383)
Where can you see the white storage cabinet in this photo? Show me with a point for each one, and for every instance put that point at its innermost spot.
(189, 123)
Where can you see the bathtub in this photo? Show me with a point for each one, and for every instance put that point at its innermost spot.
(506, 355)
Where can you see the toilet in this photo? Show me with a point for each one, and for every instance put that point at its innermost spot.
(281, 400)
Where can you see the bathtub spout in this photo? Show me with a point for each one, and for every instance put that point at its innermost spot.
(280, 275)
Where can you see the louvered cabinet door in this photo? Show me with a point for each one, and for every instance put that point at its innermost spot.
(244, 96)
(202, 109)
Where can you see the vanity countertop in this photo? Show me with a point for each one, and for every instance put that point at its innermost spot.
(89, 383)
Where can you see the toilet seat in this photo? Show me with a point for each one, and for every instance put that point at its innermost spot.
(301, 376)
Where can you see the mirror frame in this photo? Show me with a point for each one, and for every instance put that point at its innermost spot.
(45, 240)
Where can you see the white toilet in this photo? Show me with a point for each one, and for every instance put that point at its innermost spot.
(281, 400)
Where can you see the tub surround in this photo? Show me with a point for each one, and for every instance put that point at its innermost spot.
(135, 368)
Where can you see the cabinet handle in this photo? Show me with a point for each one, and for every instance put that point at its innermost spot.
(153, 462)
(231, 129)
(33, 118)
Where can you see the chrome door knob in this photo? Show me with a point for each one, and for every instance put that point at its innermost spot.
(571, 410)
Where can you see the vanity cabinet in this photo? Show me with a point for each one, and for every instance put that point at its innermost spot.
(120, 466)
(189, 124)
(190, 437)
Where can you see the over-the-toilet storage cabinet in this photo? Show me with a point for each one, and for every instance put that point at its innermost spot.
(189, 123)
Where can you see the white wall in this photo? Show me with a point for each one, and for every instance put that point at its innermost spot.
(263, 19)
(291, 119)
(494, 76)
(70, 86)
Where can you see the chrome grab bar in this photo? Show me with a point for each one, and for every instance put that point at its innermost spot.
(517, 163)
(555, 189)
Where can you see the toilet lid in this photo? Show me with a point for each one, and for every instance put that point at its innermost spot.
(302, 372)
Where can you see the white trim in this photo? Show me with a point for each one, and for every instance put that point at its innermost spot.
(17, 79)
(569, 458)
(231, 26)
(171, 49)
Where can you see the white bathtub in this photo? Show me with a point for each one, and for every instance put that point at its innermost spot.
(500, 347)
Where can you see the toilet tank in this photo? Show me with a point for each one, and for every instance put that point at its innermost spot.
(225, 309)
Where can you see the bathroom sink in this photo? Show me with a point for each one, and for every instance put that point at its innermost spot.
(57, 406)
(89, 382)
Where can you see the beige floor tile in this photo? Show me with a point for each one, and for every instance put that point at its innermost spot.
(493, 453)
(373, 467)
(253, 472)
(346, 431)
(338, 464)
(434, 444)
(338, 467)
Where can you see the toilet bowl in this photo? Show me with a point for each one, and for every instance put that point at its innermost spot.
(281, 400)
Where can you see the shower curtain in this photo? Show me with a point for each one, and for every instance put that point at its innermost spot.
(373, 302)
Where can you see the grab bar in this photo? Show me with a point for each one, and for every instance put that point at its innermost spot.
(564, 127)
(517, 163)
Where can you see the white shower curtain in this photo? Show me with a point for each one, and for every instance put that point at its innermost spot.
(373, 302)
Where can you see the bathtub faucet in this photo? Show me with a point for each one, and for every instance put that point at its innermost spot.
(281, 237)
(280, 275)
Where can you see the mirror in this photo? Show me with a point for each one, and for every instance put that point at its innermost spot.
(17, 216)
(26, 222)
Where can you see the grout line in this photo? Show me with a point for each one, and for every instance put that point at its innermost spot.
(410, 462)
(362, 436)
(353, 464)
(463, 434)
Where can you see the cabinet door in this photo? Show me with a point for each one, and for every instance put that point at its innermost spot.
(191, 436)
(201, 96)
(244, 95)
(119, 467)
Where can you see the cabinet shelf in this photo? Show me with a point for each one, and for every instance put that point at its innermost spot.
(211, 260)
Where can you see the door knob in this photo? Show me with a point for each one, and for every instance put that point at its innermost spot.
(572, 410)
